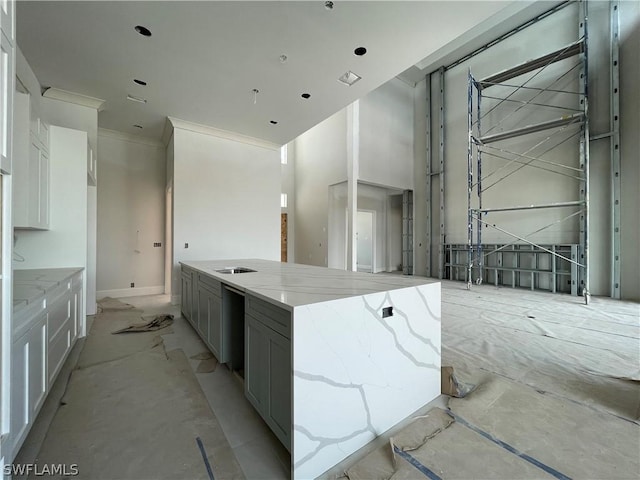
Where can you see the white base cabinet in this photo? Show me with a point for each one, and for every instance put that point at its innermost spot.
(45, 330)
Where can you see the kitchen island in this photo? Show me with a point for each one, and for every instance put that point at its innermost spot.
(331, 359)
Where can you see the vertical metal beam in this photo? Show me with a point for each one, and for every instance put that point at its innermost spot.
(584, 154)
(469, 180)
(429, 205)
(442, 177)
(615, 147)
(407, 232)
(479, 187)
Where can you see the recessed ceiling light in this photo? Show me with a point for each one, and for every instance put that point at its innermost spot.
(360, 51)
(328, 5)
(140, 82)
(138, 126)
(144, 31)
(306, 95)
(273, 122)
(136, 99)
(349, 78)
(283, 58)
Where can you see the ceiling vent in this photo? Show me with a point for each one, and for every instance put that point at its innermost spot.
(136, 99)
(349, 78)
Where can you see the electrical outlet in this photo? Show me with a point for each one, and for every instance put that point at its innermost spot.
(186, 245)
(157, 244)
(133, 284)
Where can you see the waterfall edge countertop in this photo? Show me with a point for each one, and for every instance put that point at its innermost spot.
(31, 285)
(292, 285)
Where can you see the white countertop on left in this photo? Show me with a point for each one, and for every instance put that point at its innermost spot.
(292, 285)
(31, 285)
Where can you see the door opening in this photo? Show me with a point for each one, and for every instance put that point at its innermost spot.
(365, 235)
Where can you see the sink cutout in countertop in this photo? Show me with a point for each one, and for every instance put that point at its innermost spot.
(233, 270)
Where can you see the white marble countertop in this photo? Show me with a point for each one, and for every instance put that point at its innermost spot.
(292, 285)
(31, 285)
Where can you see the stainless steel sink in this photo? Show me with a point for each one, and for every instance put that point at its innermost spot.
(235, 270)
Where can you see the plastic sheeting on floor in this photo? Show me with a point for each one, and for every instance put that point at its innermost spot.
(558, 392)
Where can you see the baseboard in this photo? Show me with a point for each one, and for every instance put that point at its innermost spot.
(130, 292)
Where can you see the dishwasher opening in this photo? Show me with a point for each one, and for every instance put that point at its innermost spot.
(233, 316)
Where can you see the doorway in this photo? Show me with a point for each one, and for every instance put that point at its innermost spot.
(168, 239)
(365, 236)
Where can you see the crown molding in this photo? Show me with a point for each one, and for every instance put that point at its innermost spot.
(167, 132)
(71, 97)
(216, 132)
(128, 137)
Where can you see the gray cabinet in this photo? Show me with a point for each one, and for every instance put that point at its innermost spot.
(268, 369)
(186, 296)
(209, 323)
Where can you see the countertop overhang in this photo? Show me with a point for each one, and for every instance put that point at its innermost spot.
(32, 284)
(292, 285)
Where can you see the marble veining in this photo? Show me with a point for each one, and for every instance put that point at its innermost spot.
(31, 285)
(357, 374)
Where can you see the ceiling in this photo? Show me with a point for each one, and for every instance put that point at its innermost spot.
(204, 58)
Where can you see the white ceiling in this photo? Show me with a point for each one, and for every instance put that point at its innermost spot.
(204, 58)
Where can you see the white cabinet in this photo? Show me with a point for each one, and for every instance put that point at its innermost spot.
(30, 168)
(43, 334)
(28, 377)
(7, 16)
(92, 166)
(38, 187)
(7, 82)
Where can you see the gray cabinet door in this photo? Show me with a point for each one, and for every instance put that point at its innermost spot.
(215, 331)
(268, 376)
(279, 374)
(203, 313)
(186, 297)
(255, 363)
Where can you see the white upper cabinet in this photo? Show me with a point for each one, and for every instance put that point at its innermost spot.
(7, 19)
(7, 82)
(30, 168)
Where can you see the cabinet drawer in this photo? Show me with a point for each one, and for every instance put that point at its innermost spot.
(273, 317)
(210, 284)
(59, 317)
(57, 351)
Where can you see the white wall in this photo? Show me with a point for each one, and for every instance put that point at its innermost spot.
(320, 161)
(226, 197)
(386, 136)
(131, 185)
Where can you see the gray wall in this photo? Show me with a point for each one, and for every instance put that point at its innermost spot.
(630, 140)
(131, 185)
(226, 200)
(530, 186)
(385, 153)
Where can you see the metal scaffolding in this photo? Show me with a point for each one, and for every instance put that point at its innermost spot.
(534, 89)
